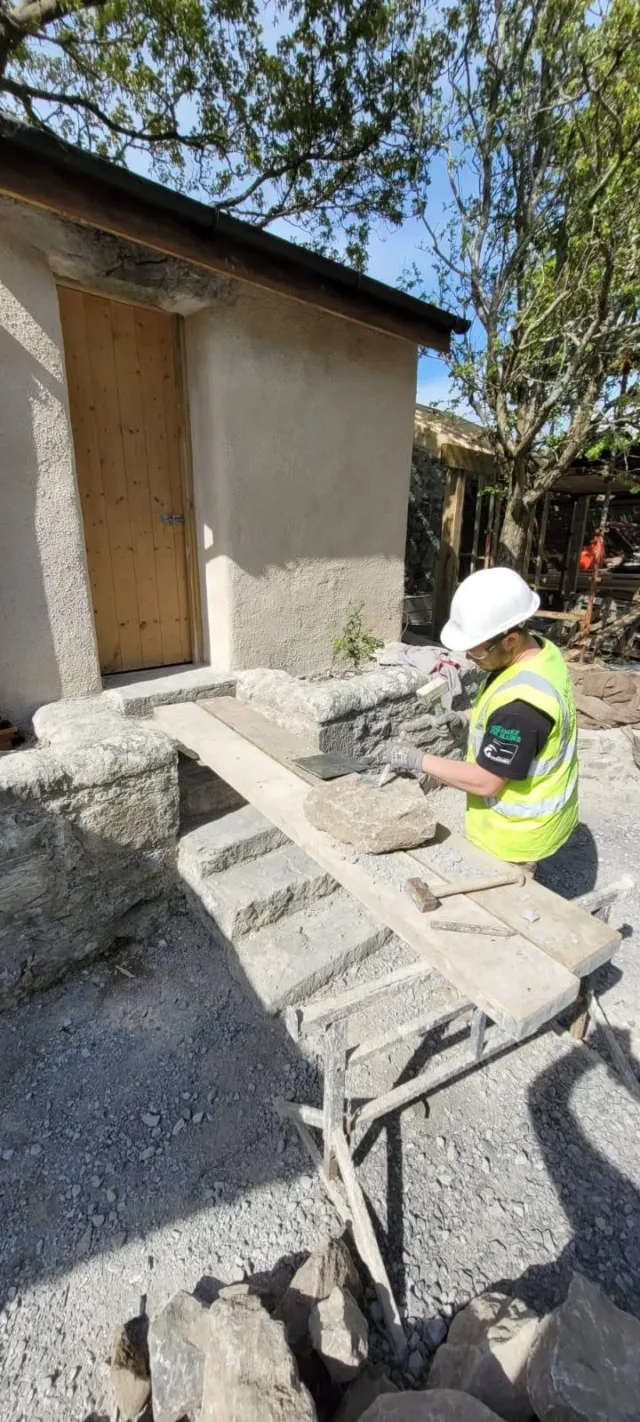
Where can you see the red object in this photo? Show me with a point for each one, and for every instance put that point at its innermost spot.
(592, 556)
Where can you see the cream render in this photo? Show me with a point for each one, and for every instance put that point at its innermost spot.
(301, 427)
(47, 636)
(301, 432)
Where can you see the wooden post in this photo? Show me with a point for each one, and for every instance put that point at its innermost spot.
(367, 1244)
(476, 523)
(335, 1061)
(542, 538)
(447, 569)
(577, 532)
(477, 1034)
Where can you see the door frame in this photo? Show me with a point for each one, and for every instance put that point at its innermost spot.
(186, 467)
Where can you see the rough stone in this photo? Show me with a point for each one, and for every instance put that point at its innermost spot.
(486, 1354)
(250, 1374)
(441, 1406)
(88, 829)
(339, 1334)
(354, 714)
(375, 821)
(129, 1368)
(364, 1390)
(585, 1365)
(177, 1340)
(327, 1268)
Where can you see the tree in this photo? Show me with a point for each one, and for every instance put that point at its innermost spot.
(289, 109)
(539, 118)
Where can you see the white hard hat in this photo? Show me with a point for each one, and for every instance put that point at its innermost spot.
(486, 604)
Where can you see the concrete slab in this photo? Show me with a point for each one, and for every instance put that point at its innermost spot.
(285, 962)
(136, 693)
(260, 891)
(232, 839)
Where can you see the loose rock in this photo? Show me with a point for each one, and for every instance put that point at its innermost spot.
(373, 821)
(327, 1268)
(444, 1406)
(250, 1374)
(360, 1394)
(486, 1354)
(177, 1340)
(129, 1368)
(339, 1334)
(585, 1365)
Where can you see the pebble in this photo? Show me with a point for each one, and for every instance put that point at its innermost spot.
(151, 1120)
(179, 1126)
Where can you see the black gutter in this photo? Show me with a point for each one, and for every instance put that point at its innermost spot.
(18, 142)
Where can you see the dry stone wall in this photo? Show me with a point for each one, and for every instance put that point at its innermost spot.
(357, 715)
(88, 832)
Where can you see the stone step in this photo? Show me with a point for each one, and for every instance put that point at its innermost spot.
(284, 962)
(259, 891)
(230, 839)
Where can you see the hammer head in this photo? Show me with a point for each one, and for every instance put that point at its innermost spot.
(422, 895)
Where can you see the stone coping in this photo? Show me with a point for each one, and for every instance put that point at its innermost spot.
(325, 701)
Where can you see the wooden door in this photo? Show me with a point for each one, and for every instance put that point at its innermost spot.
(121, 376)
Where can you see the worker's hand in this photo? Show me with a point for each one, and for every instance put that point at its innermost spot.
(403, 760)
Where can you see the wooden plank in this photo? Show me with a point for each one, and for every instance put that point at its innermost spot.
(148, 335)
(367, 1244)
(447, 570)
(476, 524)
(283, 746)
(335, 1066)
(97, 312)
(415, 1027)
(513, 982)
(353, 999)
(89, 476)
(564, 931)
(439, 1072)
(137, 473)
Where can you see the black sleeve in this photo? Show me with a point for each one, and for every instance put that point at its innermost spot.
(514, 736)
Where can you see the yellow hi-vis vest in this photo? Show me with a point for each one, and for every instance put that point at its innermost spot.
(529, 819)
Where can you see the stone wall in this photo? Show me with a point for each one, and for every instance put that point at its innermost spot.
(426, 495)
(88, 830)
(357, 714)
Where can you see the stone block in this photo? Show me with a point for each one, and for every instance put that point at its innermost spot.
(250, 1373)
(374, 821)
(339, 1334)
(487, 1352)
(250, 895)
(286, 961)
(230, 839)
(203, 794)
(88, 831)
(441, 1406)
(178, 1338)
(585, 1364)
(329, 1267)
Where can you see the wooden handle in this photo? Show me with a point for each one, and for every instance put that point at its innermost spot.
(475, 886)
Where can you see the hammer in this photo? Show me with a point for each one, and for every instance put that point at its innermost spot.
(425, 899)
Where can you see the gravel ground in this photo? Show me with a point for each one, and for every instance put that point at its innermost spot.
(139, 1152)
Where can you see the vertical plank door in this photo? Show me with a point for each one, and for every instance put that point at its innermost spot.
(121, 375)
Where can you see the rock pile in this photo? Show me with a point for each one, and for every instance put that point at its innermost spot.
(303, 1357)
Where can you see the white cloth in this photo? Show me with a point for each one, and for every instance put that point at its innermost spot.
(433, 661)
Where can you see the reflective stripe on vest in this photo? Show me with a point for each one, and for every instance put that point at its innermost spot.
(528, 811)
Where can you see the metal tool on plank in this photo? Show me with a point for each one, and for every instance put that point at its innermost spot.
(489, 930)
(427, 899)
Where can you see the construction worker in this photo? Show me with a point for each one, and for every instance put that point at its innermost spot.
(521, 770)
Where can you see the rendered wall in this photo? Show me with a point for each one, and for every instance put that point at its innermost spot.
(302, 428)
(47, 638)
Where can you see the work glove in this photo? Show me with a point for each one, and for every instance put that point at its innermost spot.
(403, 760)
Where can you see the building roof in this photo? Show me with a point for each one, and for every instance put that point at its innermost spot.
(40, 169)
